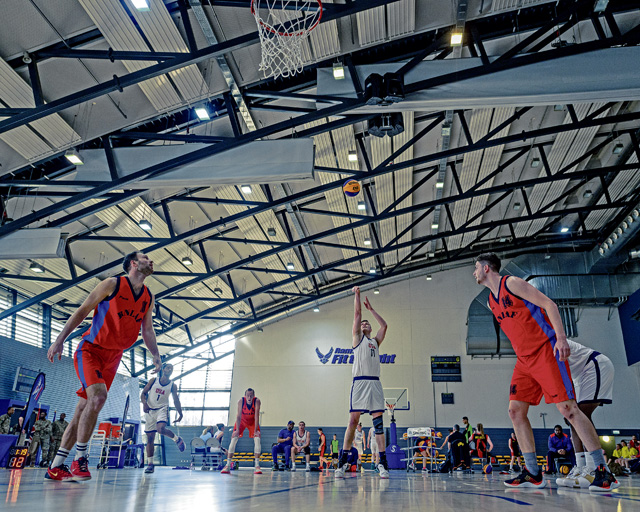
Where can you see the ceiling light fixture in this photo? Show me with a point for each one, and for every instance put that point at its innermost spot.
(600, 5)
(429, 277)
(36, 267)
(367, 241)
(587, 194)
(434, 226)
(271, 231)
(217, 291)
(291, 266)
(353, 155)
(446, 130)
(241, 312)
(535, 162)
(145, 224)
(456, 38)
(564, 230)
(338, 71)
(558, 108)
(547, 256)
(141, 5)
(617, 149)
(316, 309)
(246, 189)
(372, 270)
(376, 292)
(203, 114)
(516, 206)
(439, 184)
(186, 261)
(362, 206)
(73, 156)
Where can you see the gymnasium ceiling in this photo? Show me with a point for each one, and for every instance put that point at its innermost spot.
(98, 74)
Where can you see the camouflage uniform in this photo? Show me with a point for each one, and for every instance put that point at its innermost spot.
(57, 430)
(40, 438)
(5, 421)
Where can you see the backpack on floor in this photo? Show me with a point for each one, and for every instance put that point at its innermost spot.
(616, 469)
(445, 466)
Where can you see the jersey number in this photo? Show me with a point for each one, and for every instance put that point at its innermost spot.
(373, 352)
(158, 398)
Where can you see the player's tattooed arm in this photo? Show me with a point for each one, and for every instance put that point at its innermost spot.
(149, 336)
(531, 294)
(357, 317)
(99, 293)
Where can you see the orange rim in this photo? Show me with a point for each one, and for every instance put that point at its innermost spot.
(289, 34)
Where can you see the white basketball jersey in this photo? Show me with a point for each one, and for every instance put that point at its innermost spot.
(366, 360)
(359, 437)
(578, 358)
(159, 395)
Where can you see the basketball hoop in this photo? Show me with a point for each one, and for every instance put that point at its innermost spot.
(283, 26)
(390, 410)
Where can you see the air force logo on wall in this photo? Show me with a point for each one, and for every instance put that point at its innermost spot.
(345, 356)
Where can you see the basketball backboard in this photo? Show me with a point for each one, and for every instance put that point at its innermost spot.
(397, 397)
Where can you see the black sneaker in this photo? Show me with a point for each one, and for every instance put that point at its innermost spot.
(274, 467)
(604, 481)
(526, 479)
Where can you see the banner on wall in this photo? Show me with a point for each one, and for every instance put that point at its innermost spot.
(345, 356)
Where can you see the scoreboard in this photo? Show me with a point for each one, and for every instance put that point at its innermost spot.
(446, 369)
(17, 457)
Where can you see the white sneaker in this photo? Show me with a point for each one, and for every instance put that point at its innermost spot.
(586, 477)
(293, 467)
(308, 468)
(384, 472)
(339, 473)
(571, 480)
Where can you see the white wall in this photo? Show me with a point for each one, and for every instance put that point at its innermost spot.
(425, 318)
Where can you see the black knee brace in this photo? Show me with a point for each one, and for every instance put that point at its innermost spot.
(378, 425)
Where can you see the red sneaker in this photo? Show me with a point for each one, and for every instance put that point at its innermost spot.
(80, 469)
(60, 473)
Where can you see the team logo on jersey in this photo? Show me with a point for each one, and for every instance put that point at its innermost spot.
(345, 356)
(123, 297)
(507, 302)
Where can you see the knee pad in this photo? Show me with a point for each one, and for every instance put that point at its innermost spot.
(378, 425)
(257, 446)
(232, 445)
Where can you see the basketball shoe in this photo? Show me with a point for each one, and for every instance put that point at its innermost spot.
(603, 480)
(150, 468)
(60, 473)
(257, 470)
(384, 472)
(339, 473)
(526, 479)
(571, 480)
(80, 469)
(180, 444)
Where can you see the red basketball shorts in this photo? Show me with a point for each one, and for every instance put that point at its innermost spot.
(541, 374)
(249, 424)
(95, 365)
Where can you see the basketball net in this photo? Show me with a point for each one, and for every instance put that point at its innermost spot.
(283, 26)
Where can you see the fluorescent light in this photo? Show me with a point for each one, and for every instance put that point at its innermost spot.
(141, 5)
(290, 266)
(456, 38)
(372, 270)
(600, 6)
(634, 253)
(36, 267)
(617, 149)
(362, 206)
(203, 114)
(429, 278)
(145, 224)
(271, 231)
(432, 255)
(367, 241)
(547, 256)
(587, 194)
(353, 155)
(246, 189)
(516, 206)
(376, 292)
(316, 309)
(73, 156)
(186, 261)
(241, 312)
(535, 162)
(439, 184)
(338, 71)
(564, 230)
(434, 226)
(503, 240)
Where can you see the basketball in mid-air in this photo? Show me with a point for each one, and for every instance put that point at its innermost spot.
(351, 188)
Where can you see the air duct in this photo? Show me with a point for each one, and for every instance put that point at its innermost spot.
(33, 244)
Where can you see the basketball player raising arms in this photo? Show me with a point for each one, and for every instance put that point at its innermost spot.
(366, 390)
(248, 417)
(122, 307)
(532, 323)
(155, 403)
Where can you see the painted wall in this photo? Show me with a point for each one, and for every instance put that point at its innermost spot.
(425, 318)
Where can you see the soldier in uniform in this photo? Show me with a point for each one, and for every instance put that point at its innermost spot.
(5, 421)
(57, 429)
(40, 438)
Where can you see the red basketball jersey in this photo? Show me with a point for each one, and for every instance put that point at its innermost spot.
(526, 325)
(249, 411)
(117, 319)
